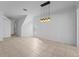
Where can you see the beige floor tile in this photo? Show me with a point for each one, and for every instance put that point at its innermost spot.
(34, 47)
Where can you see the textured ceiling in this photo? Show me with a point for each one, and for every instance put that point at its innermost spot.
(63, 5)
(16, 8)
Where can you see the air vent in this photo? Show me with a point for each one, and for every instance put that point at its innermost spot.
(24, 9)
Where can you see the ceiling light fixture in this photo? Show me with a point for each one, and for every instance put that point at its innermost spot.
(45, 12)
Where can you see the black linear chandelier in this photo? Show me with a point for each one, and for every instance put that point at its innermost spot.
(46, 11)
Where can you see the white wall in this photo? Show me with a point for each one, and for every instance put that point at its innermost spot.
(61, 28)
(12, 26)
(27, 27)
(78, 27)
(5, 27)
(18, 28)
(1, 27)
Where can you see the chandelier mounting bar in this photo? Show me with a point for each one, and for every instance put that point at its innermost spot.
(44, 4)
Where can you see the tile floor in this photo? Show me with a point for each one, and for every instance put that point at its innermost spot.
(34, 47)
